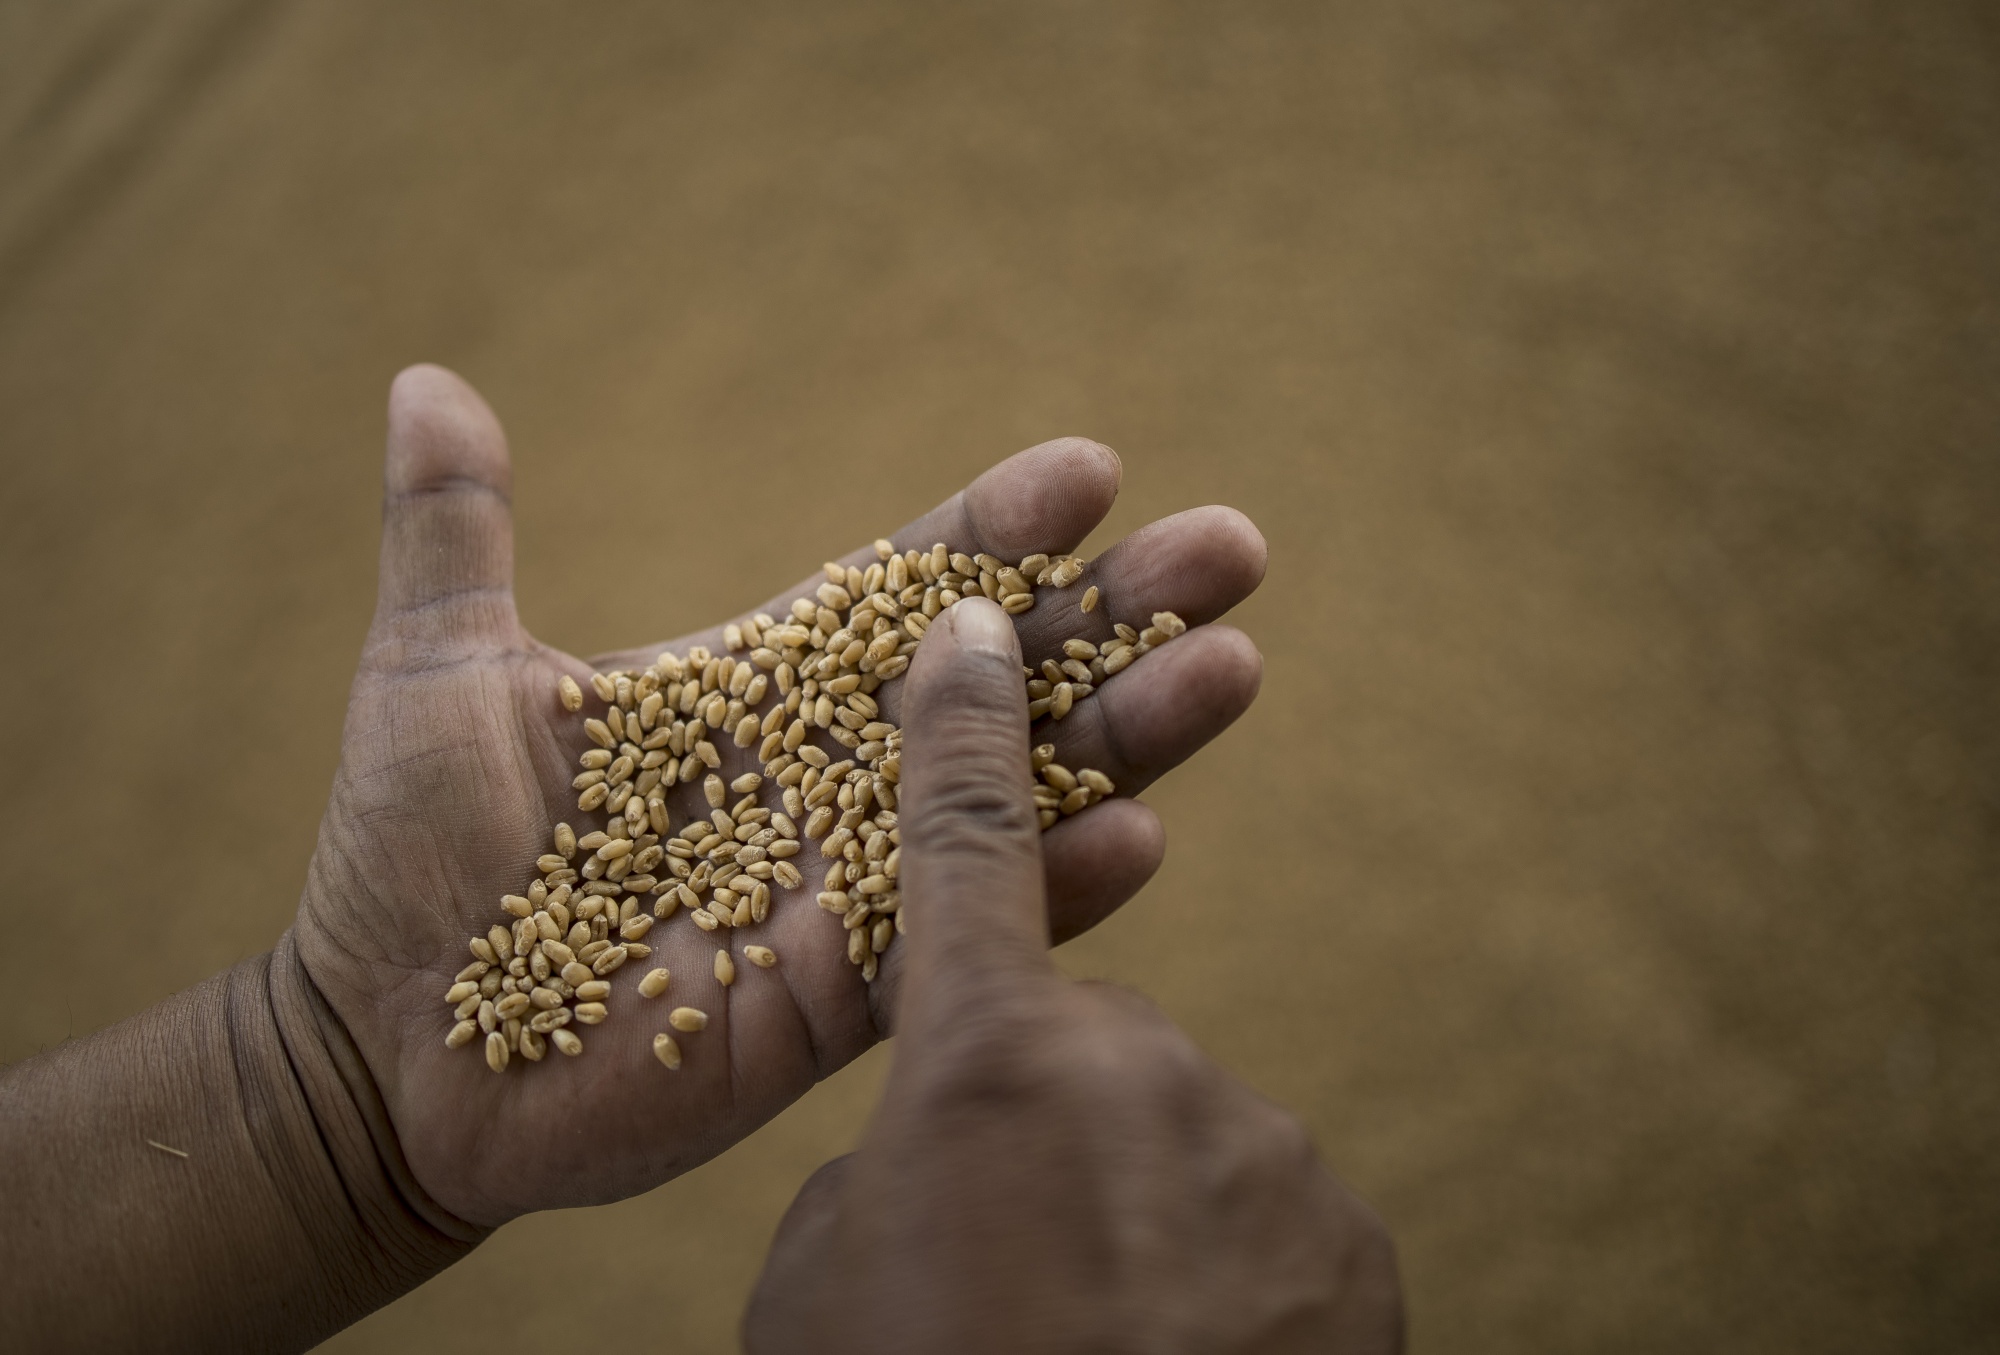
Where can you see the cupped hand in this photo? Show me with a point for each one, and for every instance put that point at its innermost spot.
(457, 759)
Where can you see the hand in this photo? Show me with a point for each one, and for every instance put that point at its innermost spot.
(457, 759)
(1054, 1167)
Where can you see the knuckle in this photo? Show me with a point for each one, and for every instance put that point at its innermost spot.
(971, 787)
(1286, 1140)
(984, 1064)
(969, 813)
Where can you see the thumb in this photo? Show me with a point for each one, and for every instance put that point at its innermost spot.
(792, 1284)
(447, 568)
(972, 849)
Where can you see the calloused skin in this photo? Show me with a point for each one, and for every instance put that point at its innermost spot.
(456, 760)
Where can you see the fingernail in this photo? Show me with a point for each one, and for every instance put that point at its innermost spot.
(983, 627)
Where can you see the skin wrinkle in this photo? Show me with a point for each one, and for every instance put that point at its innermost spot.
(366, 1099)
(395, 499)
(246, 1079)
(394, 659)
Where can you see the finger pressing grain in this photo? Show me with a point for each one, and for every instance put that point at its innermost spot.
(827, 756)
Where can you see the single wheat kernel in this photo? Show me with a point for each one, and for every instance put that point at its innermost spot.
(725, 968)
(566, 1040)
(593, 990)
(687, 1020)
(1096, 780)
(461, 1034)
(654, 983)
(1061, 700)
(458, 992)
(1169, 624)
(569, 693)
(666, 1050)
(589, 1013)
(1089, 603)
(496, 1052)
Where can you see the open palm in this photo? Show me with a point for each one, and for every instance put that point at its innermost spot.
(457, 758)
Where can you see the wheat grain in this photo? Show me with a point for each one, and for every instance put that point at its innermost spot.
(826, 661)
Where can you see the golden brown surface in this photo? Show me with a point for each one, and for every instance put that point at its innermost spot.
(1615, 384)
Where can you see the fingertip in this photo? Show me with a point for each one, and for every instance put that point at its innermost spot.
(442, 433)
(1045, 498)
(1238, 663)
(447, 527)
(1256, 550)
(979, 626)
(1200, 563)
(1234, 544)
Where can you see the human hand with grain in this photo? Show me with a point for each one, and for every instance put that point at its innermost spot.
(1054, 1166)
(320, 1149)
(458, 757)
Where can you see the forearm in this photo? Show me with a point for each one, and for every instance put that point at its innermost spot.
(289, 1216)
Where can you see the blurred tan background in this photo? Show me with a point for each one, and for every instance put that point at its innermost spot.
(1616, 385)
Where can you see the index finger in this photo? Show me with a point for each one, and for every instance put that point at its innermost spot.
(971, 864)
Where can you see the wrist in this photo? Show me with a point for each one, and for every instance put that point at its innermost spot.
(329, 1143)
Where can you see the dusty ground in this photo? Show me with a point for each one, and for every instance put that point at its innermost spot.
(1615, 384)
